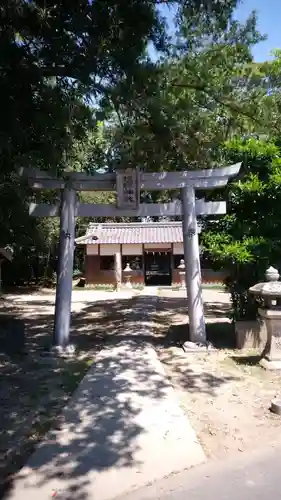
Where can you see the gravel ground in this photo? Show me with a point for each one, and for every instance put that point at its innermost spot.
(225, 393)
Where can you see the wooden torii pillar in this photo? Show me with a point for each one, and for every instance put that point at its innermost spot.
(128, 184)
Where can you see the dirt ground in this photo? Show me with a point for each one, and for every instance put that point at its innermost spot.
(33, 389)
(225, 393)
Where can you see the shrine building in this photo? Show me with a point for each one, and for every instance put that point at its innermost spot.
(152, 249)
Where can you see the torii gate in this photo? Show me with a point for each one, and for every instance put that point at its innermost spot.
(128, 183)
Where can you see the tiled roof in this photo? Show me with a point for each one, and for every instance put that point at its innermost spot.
(150, 232)
(6, 253)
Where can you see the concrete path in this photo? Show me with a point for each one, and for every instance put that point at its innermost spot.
(123, 429)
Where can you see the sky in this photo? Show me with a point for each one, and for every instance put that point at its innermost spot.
(269, 23)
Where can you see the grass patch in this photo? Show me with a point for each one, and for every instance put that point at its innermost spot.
(73, 374)
(205, 286)
(251, 359)
(247, 363)
(107, 288)
(213, 286)
(41, 401)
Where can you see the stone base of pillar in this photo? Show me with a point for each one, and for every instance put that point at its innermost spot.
(58, 351)
(268, 364)
(189, 346)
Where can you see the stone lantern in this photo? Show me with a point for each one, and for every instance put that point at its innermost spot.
(270, 313)
(127, 273)
(181, 269)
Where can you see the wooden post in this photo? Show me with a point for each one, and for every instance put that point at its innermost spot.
(118, 270)
(65, 269)
(197, 329)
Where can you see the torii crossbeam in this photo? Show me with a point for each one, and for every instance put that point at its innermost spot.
(128, 183)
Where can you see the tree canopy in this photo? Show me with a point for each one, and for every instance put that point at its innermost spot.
(80, 90)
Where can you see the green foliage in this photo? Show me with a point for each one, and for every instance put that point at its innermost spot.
(247, 240)
(79, 92)
(56, 59)
(177, 113)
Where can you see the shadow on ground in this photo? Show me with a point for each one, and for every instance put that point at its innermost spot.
(212, 309)
(104, 425)
(172, 322)
(221, 335)
(186, 370)
(249, 360)
(191, 377)
(33, 391)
